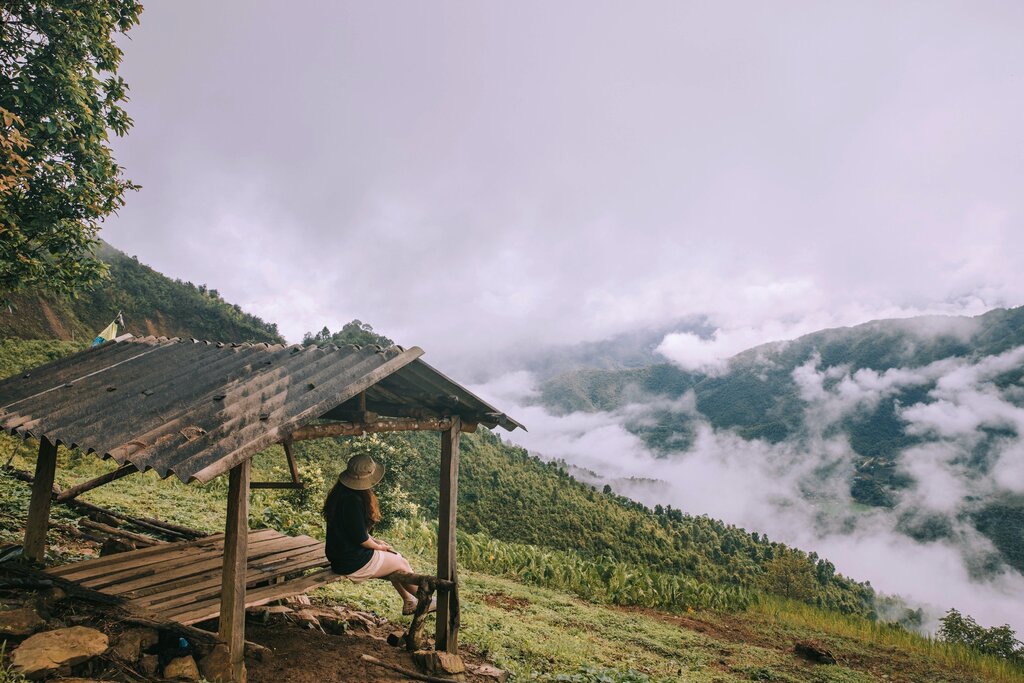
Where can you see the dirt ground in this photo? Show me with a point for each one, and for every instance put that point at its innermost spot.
(307, 656)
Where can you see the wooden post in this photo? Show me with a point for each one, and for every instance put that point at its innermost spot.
(447, 636)
(232, 594)
(39, 506)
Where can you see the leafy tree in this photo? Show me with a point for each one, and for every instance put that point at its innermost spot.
(356, 332)
(60, 99)
(1000, 641)
(791, 576)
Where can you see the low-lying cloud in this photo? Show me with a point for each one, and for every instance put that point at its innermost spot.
(798, 491)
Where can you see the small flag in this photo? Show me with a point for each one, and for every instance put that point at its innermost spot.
(109, 332)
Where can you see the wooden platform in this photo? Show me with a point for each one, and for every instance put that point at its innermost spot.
(182, 581)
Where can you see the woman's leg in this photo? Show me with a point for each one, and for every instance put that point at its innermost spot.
(391, 563)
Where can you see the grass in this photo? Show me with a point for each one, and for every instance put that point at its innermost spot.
(543, 632)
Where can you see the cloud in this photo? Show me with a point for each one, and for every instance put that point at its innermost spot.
(474, 179)
(798, 491)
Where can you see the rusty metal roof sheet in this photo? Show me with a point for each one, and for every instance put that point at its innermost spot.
(196, 409)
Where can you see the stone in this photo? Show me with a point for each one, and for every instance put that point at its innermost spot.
(131, 644)
(113, 546)
(55, 652)
(435, 662)
(216, 666)
(814, 652)
(149, 665)
(334, 625)
(52, 596)
(489, 672)
(182, 668)
(268, 613)
(396, 639)
(307, 619)
(20, 622)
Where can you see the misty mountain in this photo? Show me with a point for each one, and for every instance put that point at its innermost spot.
(909, 400)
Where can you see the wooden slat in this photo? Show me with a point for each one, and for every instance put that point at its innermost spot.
(209, 589)
(210, 562)
(77, 567)
(260, 596)
(264, 564)
(141, 558)
(187, 565)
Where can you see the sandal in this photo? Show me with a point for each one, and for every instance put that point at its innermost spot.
(410, 607)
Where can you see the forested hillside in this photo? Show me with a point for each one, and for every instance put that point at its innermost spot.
(884, 387)
(151, 303)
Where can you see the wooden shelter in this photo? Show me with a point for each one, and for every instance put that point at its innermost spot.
(198, 410)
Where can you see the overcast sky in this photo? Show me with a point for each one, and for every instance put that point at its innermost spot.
(480, 175)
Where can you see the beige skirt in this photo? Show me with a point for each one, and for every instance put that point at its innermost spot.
(368, 570)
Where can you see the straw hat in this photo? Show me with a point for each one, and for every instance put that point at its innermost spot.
(363, 472)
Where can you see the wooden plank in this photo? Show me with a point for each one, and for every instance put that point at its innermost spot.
(77, 489)
(39, 506)
(209, 588)
(447, 634)
(75, 567)
(210, 583)
(293, 485)
(189, 566)
(264, 564)
(232, 599)
(161, 553)
(260, 596)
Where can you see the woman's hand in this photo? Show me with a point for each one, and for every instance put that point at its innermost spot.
(384, 546)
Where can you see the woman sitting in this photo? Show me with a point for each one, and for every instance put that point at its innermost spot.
(351, 511)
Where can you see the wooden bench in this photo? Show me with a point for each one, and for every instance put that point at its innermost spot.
(181, 582)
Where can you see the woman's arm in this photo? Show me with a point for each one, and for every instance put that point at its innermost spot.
(373, 544)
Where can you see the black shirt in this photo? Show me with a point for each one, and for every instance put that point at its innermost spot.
(346, 530)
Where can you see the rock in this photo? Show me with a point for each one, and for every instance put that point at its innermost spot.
(149, 665)
(396, 639)
(307, 619)
(55, 652)
(216, 666)
(335, 625)
(814, 652)
(113, 546)
(268, 613)
(434, 662)
(487, 671)
(20, 622)
(182, 668)
(132, 644)
(52, 596)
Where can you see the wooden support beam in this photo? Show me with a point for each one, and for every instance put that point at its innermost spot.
(292, 466)
(73, 491)
(295, 485)
(395, 424)
(232, 595)
(39, 506)
(447, 635)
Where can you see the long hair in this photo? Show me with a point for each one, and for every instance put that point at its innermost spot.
(371, 505)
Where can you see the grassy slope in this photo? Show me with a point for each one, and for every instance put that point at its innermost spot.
(544, 633)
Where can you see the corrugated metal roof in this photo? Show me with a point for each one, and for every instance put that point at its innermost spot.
(196, 409)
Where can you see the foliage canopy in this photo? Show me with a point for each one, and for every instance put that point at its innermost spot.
(60, 98)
